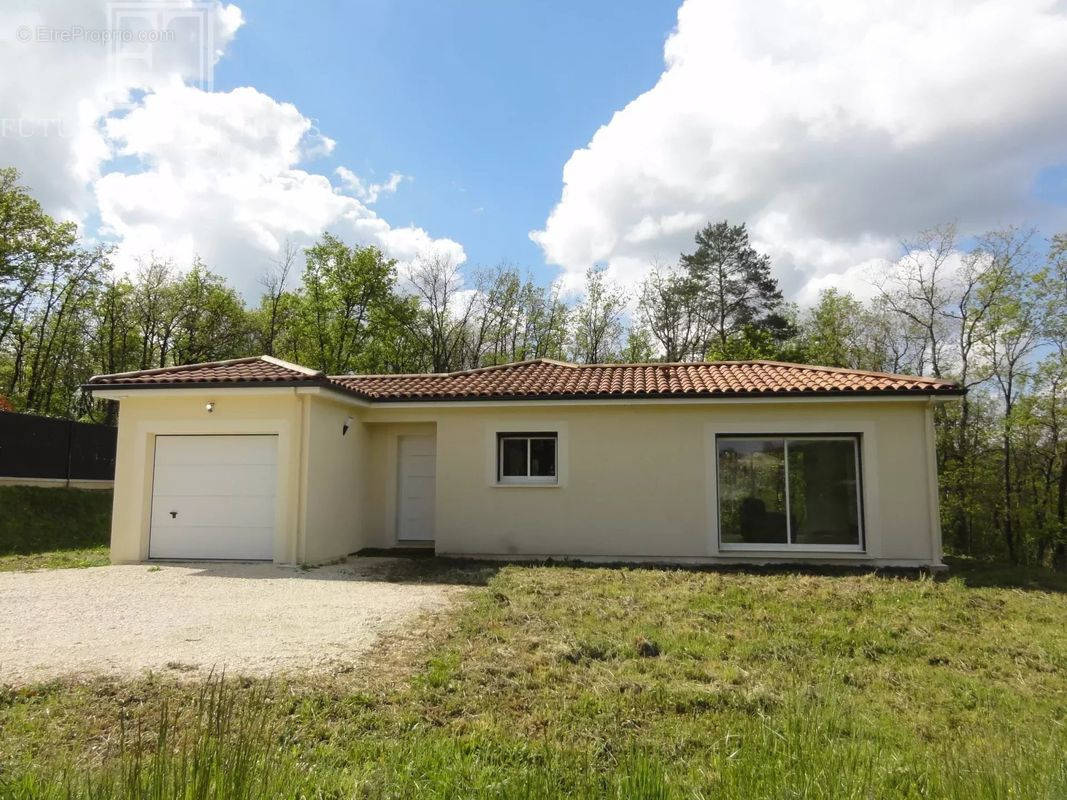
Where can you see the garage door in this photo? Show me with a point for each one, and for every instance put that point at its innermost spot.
(213, 497)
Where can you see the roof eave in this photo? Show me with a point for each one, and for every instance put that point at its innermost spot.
(217, 385)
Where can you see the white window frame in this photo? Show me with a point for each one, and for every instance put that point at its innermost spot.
(527, 479)
(789, 545)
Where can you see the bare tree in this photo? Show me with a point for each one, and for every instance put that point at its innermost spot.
(598, 320)
(273, 281)
(917, 288)
(447, 308)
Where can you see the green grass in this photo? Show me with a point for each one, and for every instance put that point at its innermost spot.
(557, 681)
(46, 528)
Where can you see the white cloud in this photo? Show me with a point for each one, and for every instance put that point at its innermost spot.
(834, 129)
(169, 168)
(59, 85)
(369, 192)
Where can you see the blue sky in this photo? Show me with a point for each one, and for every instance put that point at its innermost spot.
(609, 132)
(481, 102)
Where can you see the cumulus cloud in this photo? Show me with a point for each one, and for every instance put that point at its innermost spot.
(62, 77)
(834, 129)
(366, 191)
(149, 157)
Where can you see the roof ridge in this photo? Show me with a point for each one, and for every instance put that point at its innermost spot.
(178, 368)
(454, 373)
(849, 371)
(314, 373)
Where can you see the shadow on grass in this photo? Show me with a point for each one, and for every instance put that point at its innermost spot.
(424, 567)
(995, 575)
(43, 520)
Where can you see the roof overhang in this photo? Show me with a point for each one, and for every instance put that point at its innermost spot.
(121, 391)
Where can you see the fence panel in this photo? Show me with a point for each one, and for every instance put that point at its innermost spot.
(43, 447)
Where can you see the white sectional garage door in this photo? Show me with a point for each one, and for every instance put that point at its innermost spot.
(214, 497)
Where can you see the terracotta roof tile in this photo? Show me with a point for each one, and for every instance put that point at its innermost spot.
(254, 369)
(548, 379)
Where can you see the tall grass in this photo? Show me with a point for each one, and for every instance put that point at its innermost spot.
(227, 746)
(224, 747)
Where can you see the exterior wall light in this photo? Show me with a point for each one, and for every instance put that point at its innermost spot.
(346, 426)
(210, 406)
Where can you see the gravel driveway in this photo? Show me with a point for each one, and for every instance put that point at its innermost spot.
(251, 619)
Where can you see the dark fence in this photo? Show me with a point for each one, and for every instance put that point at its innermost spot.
(43, 447)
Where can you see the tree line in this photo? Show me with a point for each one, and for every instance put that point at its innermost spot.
(991, 315)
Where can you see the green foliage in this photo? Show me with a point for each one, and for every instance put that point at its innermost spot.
(46, 527)
(991, 317)
(598, 320)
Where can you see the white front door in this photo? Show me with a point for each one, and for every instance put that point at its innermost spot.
(416, 467)
(214, 497)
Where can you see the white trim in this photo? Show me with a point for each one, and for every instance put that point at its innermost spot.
(208, 425)
(933, 495)
(527, 479)
(498, 425)
(123, 394)
(753, 547)
(298, 546)
(790, 545)
(294, 367)
(868, 478)
(425, 405)
(385, 405)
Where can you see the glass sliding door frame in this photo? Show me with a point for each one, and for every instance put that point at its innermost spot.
(790, 545)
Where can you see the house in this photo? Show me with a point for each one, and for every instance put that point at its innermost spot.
(754, 461)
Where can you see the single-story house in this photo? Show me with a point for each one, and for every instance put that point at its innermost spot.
(742, 461)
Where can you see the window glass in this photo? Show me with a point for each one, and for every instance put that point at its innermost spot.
(513, 457)
(752, 491)
(526, 457)
(543, 458)
(823, 497)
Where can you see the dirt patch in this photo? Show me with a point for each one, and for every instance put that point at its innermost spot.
(187, 619)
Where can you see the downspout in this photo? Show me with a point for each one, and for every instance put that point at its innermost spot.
(934, 499)
(300, 548)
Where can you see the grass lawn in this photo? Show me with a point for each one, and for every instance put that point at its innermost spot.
(560, 681)
(45, 528)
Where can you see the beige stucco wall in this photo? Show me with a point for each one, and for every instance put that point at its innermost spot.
(635, 480)
(380, 484)
(639, 481)
(144, 414)
(334, 515)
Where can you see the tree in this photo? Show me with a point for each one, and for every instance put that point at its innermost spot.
(443, 325)
(31, 243)
(833, 330)
(1010, 335)
(598, 320)
(639, 347)
(344, 292)
(275, 303)
(735, 285)
(671, 308)
(916, 288)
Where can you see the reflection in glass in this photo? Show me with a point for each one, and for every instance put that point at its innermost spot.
(752, 491)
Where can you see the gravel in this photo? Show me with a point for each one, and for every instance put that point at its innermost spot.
(249, 619)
